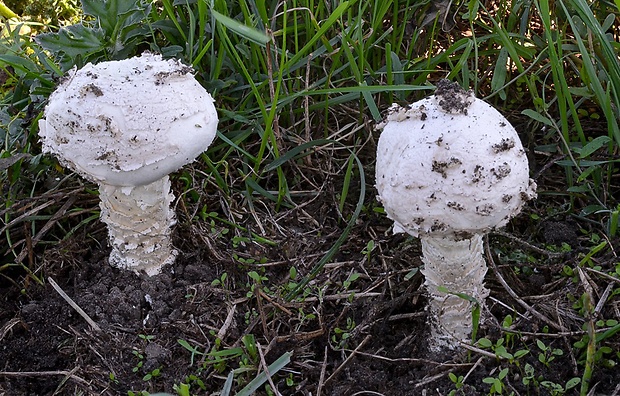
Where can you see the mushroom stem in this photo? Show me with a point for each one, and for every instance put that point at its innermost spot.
(459, 267)
(139, 221)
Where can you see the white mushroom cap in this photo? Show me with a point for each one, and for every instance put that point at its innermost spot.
(130, 122)
(451, 165)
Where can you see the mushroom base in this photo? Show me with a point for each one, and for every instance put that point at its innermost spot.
(139, 223)
(459, 267)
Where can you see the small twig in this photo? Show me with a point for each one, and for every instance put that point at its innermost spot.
(275, 304)
(481, 351)
(348, 359)
(428, 380)
(27, 214)
(266, 369)
(513, 392)
(305, 336)
(471, 370)
(79, 310)
(560, 334)
(322, 376)
(514, 295)
(412, 360)
(567, 342)
(46, 227)
(603, 299)
(529, 245)
(7, 327)
(29, 248)
(406, 316)
(261, 311)
(386, 270)
(593, 390)
(64, 381)
(503, 304)
(229, 318)
(64, 373)
(604, 275)
(344, 296)
(405, 341)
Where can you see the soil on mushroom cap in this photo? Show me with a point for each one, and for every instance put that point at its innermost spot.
(452, 97)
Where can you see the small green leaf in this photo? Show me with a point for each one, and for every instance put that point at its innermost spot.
(520, 353)
(250, 344)
(536, 116)
(590, 209)
(573, 382)
(584, 175)
(507, 322)
(500, 73)
(592, 146)
(484, 343)
(502, 352)
(411, 273)
(182, 389)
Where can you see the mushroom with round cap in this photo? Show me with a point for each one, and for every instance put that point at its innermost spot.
(450, 168)
(126, 125)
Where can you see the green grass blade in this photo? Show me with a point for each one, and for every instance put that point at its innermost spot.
(346, 182)
(319, 35)
(242, 30)
(260, 379)
(604, 97)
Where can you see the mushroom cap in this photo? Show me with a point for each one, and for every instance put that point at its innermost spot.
(450, 165)
(129, 122)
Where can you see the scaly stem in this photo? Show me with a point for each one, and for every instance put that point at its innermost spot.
(139, 222)
(459, 267)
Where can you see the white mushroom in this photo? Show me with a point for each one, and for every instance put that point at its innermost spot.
(451, 168)
(126, 125)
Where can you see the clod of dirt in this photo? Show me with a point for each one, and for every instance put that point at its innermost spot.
(452, 98)
(558, 232)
